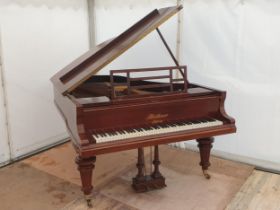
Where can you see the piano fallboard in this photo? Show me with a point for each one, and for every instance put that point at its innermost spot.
(152, 111)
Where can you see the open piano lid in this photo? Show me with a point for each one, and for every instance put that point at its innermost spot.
(94, 60)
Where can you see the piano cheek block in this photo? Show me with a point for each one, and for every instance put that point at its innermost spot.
(123, 111)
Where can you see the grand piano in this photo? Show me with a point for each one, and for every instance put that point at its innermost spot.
(136, 108)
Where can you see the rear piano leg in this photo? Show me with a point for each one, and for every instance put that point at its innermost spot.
(86, 166)
(205, 145)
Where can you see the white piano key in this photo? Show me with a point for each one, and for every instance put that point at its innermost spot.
(126, 134)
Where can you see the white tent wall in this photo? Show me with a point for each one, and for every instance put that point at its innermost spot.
(4, 145)
(38, 39)
(115, 16)
(231, 45)
(235, 46)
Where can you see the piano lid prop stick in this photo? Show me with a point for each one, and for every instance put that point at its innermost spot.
(170, 52)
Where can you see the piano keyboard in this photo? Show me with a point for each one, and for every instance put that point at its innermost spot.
(155, 130)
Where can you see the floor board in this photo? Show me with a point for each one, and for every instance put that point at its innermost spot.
(186, 186)
(26, 188)
(260, 192)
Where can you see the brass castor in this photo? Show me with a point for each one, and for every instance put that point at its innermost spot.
(88, 199)
(206, 174)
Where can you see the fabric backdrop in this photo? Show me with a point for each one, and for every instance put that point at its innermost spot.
(232, 45)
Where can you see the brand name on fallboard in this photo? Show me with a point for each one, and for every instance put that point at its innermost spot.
(156, 118)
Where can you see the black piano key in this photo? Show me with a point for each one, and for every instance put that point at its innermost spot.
(97, 135)
(195, 122)
(113, 133)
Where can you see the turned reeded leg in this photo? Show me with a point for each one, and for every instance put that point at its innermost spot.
(156, 162)
(143, 182)
(138, 182)
(86, 166)
(140, 164)
(205, 145)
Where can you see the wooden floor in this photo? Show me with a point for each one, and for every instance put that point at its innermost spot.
(261, 191)
(50, 181)
(186, 186)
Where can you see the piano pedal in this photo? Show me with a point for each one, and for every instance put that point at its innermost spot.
(149, 183)
(206, 174)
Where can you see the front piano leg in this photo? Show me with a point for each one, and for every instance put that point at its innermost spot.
(86, 166)
(205, 145)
